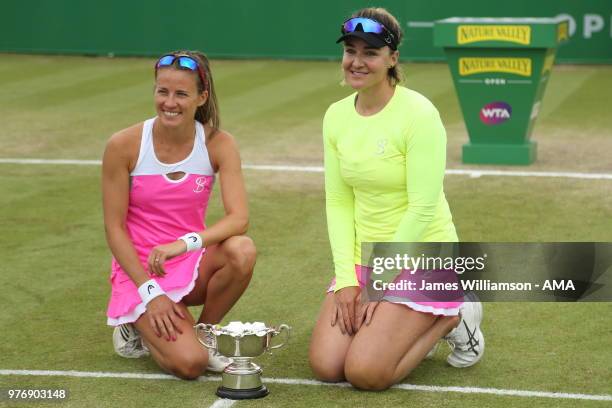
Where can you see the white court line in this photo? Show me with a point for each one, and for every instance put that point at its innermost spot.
(275, 167)
(474, 173)
(299, 381)
(52, 161)
(99, 374)
(420, 24)
(223, 403)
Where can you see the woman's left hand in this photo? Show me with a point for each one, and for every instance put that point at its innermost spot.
(366, 311)
(162, 253)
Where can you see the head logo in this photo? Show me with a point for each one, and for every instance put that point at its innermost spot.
(495, 113)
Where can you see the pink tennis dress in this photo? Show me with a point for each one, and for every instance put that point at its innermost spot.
(160, 210)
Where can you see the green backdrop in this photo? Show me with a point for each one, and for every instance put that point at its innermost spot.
(268, 28)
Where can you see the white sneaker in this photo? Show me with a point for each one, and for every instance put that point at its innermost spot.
(466, 340)
(216, 361)
(128, 342)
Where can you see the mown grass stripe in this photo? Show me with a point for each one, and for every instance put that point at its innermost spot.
(555, 96)
(277, 93)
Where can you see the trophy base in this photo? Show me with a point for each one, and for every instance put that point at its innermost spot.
(234, 394)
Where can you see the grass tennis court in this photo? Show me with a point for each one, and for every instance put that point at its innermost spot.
(55, 262)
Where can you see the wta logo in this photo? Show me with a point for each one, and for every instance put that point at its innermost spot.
(495, 113)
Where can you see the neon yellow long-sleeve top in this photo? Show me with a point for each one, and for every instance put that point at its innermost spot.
(384, 178)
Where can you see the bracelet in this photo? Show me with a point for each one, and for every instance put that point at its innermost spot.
(149, 291)
(193, 241)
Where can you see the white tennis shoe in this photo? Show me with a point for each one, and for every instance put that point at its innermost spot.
(128, 342)
(466, 340)
(216, 361)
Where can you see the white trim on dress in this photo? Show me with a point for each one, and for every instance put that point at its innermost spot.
(175, 295)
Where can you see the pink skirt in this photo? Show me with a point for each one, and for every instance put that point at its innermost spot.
(125, 305)
(414, 301)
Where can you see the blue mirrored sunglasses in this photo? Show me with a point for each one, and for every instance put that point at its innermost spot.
(184, 61)
(367, 25)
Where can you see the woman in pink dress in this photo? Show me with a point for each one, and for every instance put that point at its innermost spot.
(157, 177)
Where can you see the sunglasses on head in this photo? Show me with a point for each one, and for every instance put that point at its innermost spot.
(367, 25)
(184, 61)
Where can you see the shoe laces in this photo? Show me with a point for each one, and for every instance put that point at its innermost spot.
(214, 353)
(210, 337)
(133, 344)
(454, 342)
(135, 347)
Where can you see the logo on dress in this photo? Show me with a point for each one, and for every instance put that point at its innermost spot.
(202, 183)
(382, 143)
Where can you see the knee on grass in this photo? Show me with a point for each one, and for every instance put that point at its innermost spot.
(324, 371)
(369, 377)
(188, 366)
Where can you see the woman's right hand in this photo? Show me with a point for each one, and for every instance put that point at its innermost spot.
(163, 313)
(161, 253)
(346, 306)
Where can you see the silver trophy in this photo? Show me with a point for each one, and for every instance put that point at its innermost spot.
(242, 378)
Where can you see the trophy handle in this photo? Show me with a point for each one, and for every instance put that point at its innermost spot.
(281, 328)
(207, 338)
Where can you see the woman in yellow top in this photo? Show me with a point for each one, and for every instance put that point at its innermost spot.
(385, 155)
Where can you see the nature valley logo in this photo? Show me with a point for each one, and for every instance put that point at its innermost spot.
(519, 34)
(518, 66)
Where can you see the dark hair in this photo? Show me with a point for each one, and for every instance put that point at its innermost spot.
(394, 74)
(207, 114)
